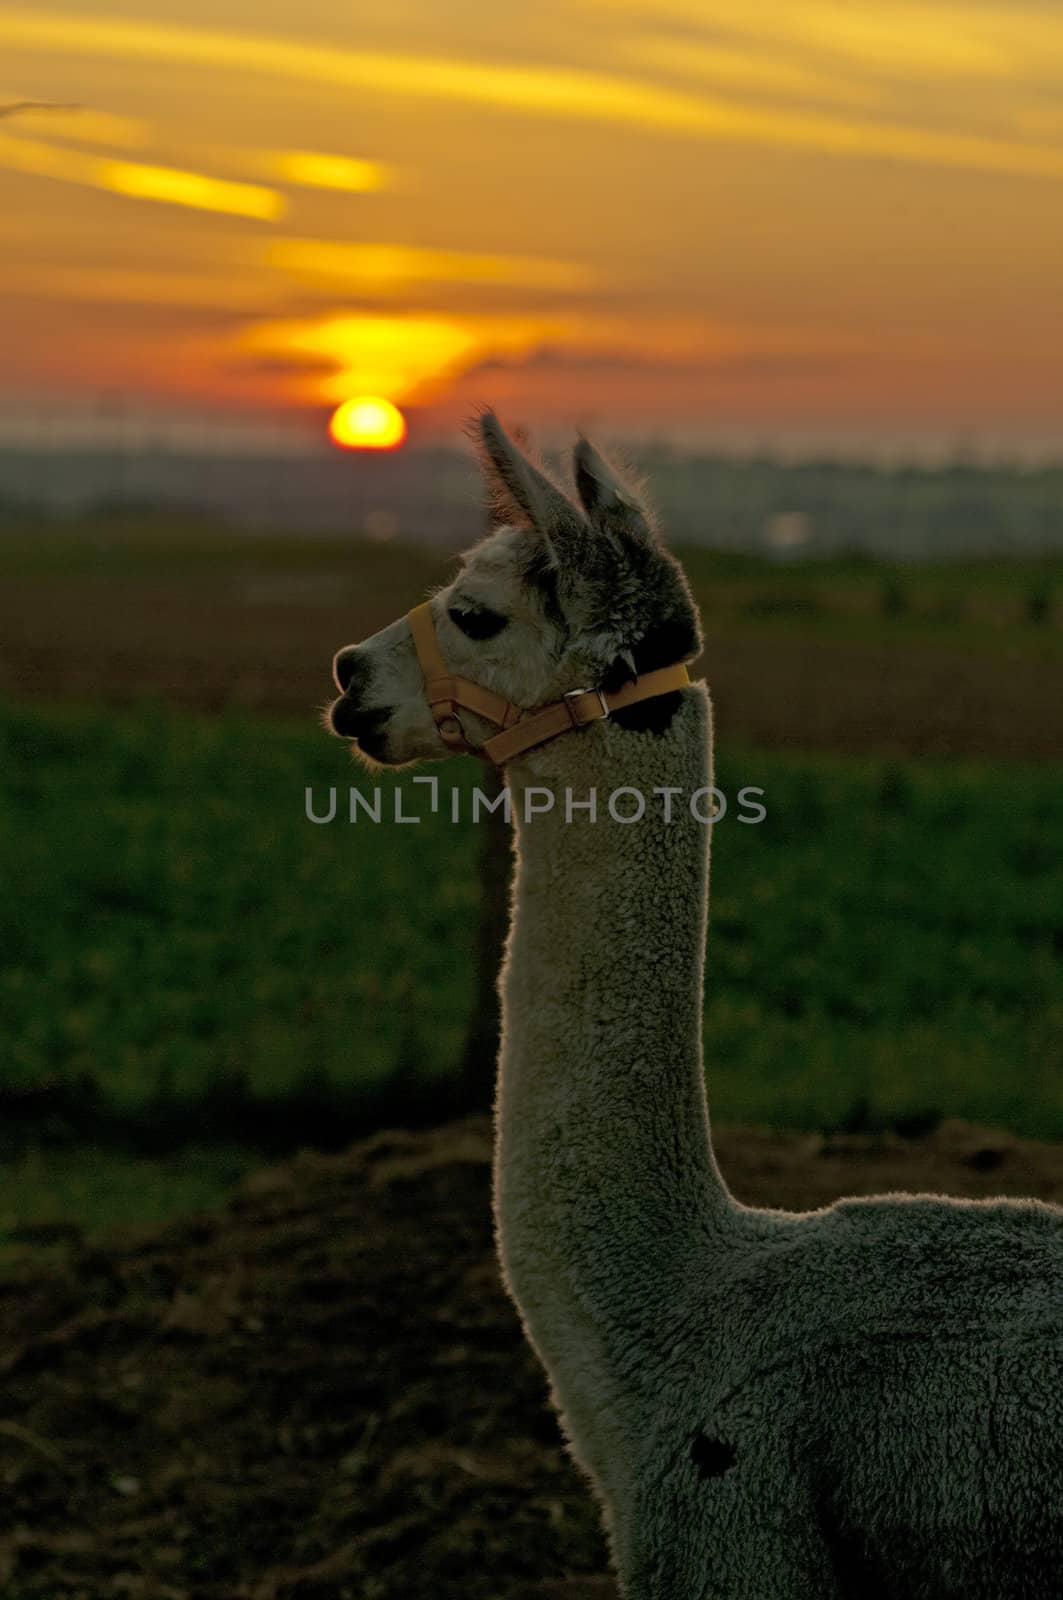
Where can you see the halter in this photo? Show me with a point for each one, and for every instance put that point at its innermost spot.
(520, 730)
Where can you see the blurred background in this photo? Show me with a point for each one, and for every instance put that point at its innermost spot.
(800, 262)
(257, 266)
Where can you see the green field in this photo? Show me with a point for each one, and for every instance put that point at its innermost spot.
(192, 974)
(178, 937)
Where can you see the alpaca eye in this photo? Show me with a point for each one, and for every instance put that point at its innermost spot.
(477, 624)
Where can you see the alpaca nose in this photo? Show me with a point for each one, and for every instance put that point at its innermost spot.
(343, 666)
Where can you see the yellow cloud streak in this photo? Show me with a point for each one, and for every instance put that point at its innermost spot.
(550, 91)
(917, 41)
(82, 125)
(553, 90)
(177, 188)
(44, 160)
(930, 42)
(834, 136)
(313, 170)
(393, 265)
(736, 67)
(137, 181)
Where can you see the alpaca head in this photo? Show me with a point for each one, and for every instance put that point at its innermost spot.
(561, 596)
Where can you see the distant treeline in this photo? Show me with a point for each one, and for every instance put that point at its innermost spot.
(825, 507)
(432, 496)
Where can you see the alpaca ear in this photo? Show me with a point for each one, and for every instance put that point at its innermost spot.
(522, 494)
(609, 502)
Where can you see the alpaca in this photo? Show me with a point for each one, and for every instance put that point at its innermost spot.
(864, 1401)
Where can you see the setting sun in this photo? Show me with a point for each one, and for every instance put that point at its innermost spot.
(367, 424)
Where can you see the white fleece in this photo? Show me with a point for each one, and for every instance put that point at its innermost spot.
(864, 1401)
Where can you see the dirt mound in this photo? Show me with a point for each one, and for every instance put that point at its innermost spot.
(323, 1391)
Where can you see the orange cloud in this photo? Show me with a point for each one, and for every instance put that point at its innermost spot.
(77, 124)
(408, 358)
(389, 356)
(44, 160)
(167, 291)
(388, 266)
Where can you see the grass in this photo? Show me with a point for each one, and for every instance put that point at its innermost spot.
(45, 1193)
(174, 918)
(191, 972)
(188, 960)
(886, 945)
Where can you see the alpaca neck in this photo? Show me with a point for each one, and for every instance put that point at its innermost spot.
(606, 1184)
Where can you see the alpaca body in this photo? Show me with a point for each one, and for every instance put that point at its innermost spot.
(878, 1386)
(893, 1441)
(861, 1403)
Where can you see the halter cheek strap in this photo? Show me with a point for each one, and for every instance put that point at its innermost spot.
(520, 730)
(445, 692)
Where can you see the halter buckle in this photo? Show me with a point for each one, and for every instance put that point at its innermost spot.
(575, 694)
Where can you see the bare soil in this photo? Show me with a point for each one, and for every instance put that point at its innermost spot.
(322, 1392)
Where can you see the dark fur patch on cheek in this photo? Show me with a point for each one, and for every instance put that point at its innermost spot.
(712, 1457)
(616, 675)
(674, 640)
(650, 716)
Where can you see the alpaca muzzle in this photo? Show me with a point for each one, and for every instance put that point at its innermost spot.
(520, 730)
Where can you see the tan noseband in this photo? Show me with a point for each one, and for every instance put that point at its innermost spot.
(520, 730)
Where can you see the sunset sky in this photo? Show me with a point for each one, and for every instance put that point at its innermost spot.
(782, 223)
